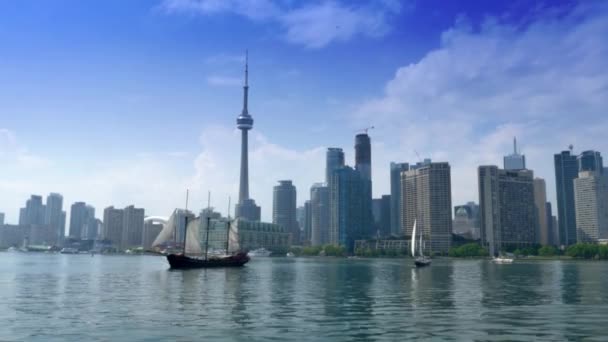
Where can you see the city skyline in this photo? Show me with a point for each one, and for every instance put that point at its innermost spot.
(145, 144)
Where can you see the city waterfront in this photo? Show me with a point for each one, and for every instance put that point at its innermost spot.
(79, 297)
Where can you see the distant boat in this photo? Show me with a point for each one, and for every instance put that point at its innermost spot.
(260, 252)
(502, 260)
(420, 260)
(289, 254)
(68, 250)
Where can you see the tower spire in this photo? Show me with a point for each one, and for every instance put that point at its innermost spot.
(246, 86)
(514, 145)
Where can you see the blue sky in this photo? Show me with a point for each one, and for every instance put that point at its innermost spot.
(120, 102)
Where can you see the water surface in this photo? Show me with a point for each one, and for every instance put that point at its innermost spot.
(49, 297)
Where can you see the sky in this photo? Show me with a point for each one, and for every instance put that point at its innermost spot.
(132, 102)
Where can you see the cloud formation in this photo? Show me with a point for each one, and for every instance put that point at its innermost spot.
(313, 24)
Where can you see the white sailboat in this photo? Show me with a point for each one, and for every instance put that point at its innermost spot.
(420, 260)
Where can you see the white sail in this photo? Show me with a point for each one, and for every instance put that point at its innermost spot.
(413, 241)
(168, 232)
(193, 245)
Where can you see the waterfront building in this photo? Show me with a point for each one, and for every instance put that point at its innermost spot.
(427, 198)
(54, 216)
(515, 161)
(540, 202)
(334, 159)
(363, 156)
(307, 221)
(284, 209)
(303, 218)
(351, 208)
(246, 207)
(12, 235)
(396, 169)
(1, 219)
(466, 220)
(508, 211)
(381, 212)
(81, 215)
(152, 227)
(552, 228)
(319, 214)
(33, 213)
(590, 161)
(591, 203)
(112, 225)
(250, 235)
(566, 170)
(133, 227)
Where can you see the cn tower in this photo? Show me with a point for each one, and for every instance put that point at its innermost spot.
(246, 207)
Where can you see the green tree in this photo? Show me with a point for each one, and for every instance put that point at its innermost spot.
(547, 251)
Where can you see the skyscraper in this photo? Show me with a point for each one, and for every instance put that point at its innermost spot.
(246, 207)
(307, 226)
(540, 202)
(351, 208)
(466, 220)
(427, 198)
(591, 203)
(54, 216)
(515, 161)
(381, 211)
(334, 160)
(33, 213)
(552, 235)
(81, 216)
(508, 211)
(566, 170)
(319, 214)
(284, 209)
(363, 156)
(396, 169)
(1, 219)
(133, 227)
(112, 225)
(590, 161)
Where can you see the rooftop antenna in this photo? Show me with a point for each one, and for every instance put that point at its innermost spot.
(364, 130)
(514, 145)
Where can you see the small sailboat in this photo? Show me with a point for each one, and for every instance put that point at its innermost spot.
(420, 260)
(192, 246)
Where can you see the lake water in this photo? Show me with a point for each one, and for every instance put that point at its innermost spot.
(114, 298)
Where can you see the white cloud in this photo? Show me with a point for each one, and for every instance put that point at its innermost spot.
(313, 24)
(546, 82)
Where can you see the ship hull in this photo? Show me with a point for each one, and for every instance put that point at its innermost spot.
(180, 261)
(422, 262)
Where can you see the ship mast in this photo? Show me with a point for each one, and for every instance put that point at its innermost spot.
(185, 223)
(208, 223)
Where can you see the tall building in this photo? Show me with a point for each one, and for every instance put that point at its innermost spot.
(590, 161)
(284, 209)
(381, 212)
(540, 202)
(112, 225)
(246, 207)
(319, 214)
(334, 159)
(427, 196)
(307, 226)
(54, 216)
(132, 227)
(81, 217)
(33, 213)
(396, 169)
(552, 229)
(466, 220)
(151, 231)
(363, 156)
(591, 203)
(566, 170)
(515, 161)
(351, 208)
(508, 211)
(1, 219)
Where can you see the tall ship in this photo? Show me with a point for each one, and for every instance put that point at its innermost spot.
(420, 260)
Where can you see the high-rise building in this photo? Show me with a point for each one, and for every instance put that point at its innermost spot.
(363, 156)
(33, 213)
(540, 202)
(552, 229)
(334, 160)
(1, 219)
(307, 226)
(396, 169)
(591, 203)
(284, 209)
(566, 170)
(151, 231)
(54, 216)
(590, 161)
(381, 211)
(515, 161)
(466, 220)
(133, 227)
(246, 207)
(427, 199)
(81, 217)
(319, 214)
(112, 225)
(508, 211)
(351, 208)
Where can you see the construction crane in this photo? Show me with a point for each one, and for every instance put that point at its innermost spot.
(364, 130)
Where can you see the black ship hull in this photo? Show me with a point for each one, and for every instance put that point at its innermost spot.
(180, 261)
(422, 262)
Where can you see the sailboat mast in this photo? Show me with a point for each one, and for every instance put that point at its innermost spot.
(185, 222)
(208, 222)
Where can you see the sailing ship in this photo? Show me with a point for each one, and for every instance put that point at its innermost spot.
(420, 260)
(192, 256)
